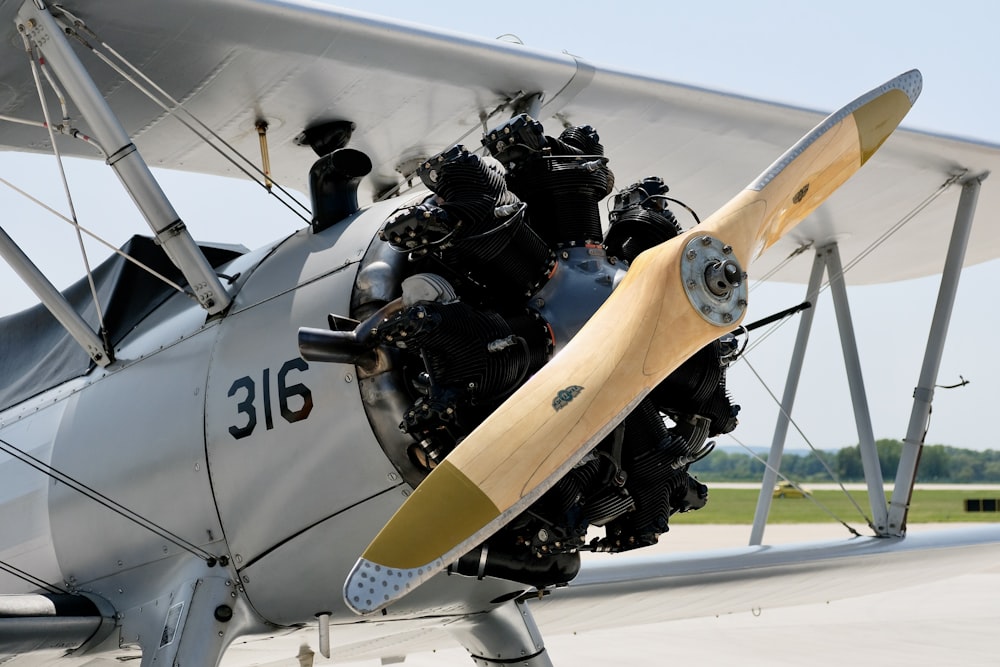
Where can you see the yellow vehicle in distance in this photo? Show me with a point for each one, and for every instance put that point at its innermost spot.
(785, 489)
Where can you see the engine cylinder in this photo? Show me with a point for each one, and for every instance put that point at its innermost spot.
(561, 179)
(475, 226)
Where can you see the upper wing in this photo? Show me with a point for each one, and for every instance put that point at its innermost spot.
(411, 91)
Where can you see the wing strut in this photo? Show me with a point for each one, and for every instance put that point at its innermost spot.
(53, 300)
(887, 520)
(37, 24)
(923, 394)
(827, 259)
(787, 402)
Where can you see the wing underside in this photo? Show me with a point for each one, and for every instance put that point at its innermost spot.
(411, 92)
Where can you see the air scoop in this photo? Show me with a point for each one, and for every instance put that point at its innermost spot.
(333, 185)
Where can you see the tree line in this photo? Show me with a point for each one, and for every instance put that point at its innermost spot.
(938, 463)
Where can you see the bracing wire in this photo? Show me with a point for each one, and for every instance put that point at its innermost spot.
(903, 221)
(868, 250)
(94, 236)
(808, 442)
(106, 502)
(175, 108)
(782, 264)
(31, 579)
(826, 510)
(30, 51)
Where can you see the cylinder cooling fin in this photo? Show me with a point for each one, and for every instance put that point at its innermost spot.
(469, 290)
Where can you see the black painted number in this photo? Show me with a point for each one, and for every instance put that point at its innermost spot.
(244, 407)
(289, 395)
(286, 391)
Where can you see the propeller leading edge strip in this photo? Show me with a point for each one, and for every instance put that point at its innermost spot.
(661, 313)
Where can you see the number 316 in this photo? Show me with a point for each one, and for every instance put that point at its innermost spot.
(285, 391)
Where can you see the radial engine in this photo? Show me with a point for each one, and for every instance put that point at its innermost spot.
(472, 288)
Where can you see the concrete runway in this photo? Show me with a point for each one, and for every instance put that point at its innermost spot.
(954, 621)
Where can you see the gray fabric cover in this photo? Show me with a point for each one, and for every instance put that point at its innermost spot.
(36, 352)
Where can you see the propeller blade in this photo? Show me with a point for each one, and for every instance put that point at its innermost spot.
(676, 298)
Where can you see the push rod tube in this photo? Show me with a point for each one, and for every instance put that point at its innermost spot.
(35, 21)
(923, 394)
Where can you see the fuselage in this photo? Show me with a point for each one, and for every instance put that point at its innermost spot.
(219, 432)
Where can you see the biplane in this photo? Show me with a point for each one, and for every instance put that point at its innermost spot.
(398, 427)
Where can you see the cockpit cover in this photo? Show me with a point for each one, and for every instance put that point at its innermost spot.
(37, 353)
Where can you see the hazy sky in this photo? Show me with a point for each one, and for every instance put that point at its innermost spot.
(806, 54)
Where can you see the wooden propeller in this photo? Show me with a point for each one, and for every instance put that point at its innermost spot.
(676, 298)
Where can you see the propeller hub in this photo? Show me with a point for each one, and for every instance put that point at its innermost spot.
(714, 281)
(721, 278)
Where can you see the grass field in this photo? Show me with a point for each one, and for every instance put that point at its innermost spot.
(736, 506)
